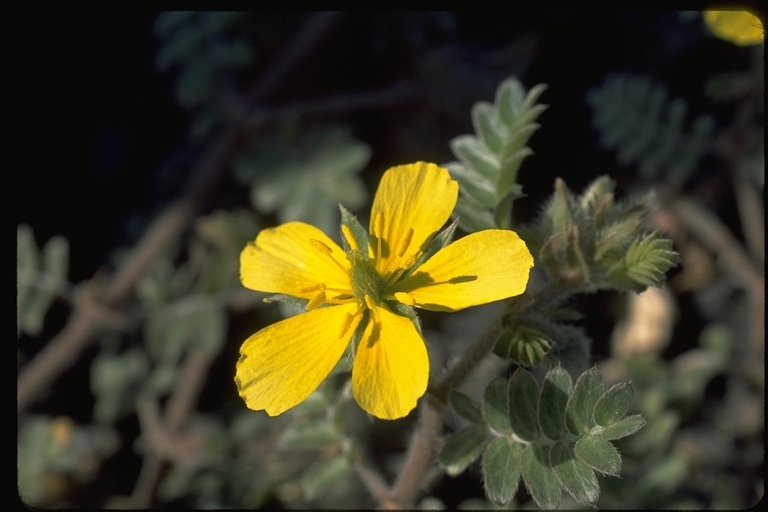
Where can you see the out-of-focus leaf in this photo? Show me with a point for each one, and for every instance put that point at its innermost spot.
(324, 474)
(461, 449)
(308, 435)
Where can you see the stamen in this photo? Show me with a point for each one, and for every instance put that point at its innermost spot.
(324, 249)
(320, 246)
(369, 302)
(347, 323)
(405, 242)
(349, 237)
(312, 288)
(317, 301)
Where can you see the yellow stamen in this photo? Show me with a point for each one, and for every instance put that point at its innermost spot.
(369, 302)
(312, 288)
(320, 246)
(350, 239)
(324, 249)
(317, 301)
(347, 323)
(405, 242)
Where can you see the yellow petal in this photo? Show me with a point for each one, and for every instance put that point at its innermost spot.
(295, 259)
(741, 28)
(284, 363)
(480, 268)
(411, 204)
(391, 366)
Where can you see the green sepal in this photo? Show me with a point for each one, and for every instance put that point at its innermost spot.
(501, 465)
(555, 391)
(523, 405)
(358, 232)
(495, 406)
(539, 477)
(599, 454)
(575, 476)
(614, 403)
(525, 345)
(466, 407)
(623, 428)
(581, 404)
(461, 449)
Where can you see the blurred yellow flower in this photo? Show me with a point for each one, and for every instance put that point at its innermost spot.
(741, 28)
(367, 291)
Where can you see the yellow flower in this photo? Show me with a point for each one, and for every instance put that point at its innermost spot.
(366, 294)
(741, 28)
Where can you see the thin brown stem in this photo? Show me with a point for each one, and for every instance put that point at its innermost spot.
(421, 453)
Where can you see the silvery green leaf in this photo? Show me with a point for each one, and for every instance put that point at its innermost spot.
(598, 454)
(614, 403)
(488, 126)
(524, 404)
(472, 216)
(496, 406)
(473, 153)
(501, 469)
(576, 477)
(539, 478)
(623, 428)
(581, 404)
(554, 397)
(308, 435)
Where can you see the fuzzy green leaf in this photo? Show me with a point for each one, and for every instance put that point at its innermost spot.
(324, 474)
(496, 406)
(614, 403)
(623, 428)
(523, 404)
(539, 477)
(473, 184)
(461, 449)
(489, 127)
(645, 263)
(598, 454)
(466, 406)
(554, 398)
(581, 404)
(501, 469)
(475, 154)
(577, 478)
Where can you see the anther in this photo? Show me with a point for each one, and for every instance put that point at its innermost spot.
(317, 301)
(320, 246)
(369, 302)
(405, 242)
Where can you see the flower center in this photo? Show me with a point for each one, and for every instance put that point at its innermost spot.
(364, 278)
